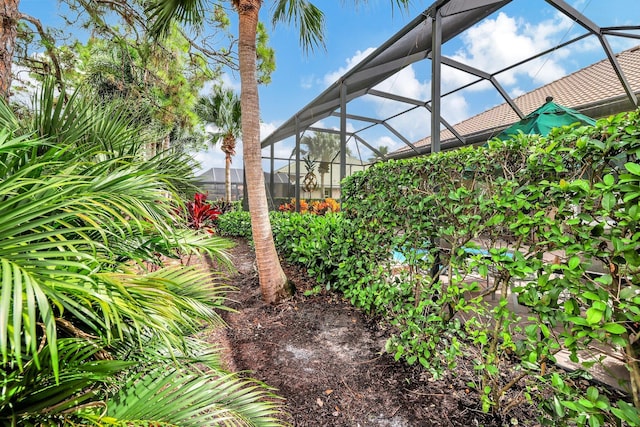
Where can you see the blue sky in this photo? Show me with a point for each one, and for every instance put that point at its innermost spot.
(519, 30)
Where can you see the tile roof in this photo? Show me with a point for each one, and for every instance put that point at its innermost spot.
(582, 90)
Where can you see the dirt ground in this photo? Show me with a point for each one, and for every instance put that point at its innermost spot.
(327, 360)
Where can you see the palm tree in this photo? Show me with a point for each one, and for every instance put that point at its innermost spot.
(322, 147)
(88, 334)
(310, 20)
(222, 109)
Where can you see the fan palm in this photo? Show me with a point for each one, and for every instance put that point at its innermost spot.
(222, 110)
(80, 216)
(310, 21)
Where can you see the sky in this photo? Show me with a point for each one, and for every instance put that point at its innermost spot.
(518, 30)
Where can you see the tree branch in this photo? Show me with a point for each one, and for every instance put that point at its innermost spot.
(49, 44)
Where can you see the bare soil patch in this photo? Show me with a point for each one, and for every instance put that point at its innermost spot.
(327, 360)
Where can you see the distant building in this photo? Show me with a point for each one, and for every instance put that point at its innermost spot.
(212, 183)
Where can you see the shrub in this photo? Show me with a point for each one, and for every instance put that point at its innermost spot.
(574, 193)
(201, 214)
(234, 224)
(317, 207)
(313, 241)
(292, 205)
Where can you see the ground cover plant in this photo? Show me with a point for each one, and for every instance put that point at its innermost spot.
(96, 309)
(497, 211)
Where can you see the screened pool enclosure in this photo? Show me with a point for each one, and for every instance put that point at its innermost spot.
(338, 109)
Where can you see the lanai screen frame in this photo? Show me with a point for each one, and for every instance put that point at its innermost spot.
(420, 40)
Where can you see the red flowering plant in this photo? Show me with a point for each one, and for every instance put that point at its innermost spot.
(201, 214)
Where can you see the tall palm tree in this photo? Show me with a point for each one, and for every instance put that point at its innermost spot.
(222, 109)
(88, 335)
(310, 21)
(322, 147)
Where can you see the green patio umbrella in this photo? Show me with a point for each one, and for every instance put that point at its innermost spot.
(542, 120)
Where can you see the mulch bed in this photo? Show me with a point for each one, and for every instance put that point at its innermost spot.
(327, 360)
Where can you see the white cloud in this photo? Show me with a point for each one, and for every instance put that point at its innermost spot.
(411, 125)
(516, 92)
(416, 123)
(497, 43)
(455, 108)
(228, 82)
(267, 129)
(23, 86)
(213, 157)
(405, 83)
(332, 77)
(385, 141)
(491, 45)
(210, 158)
(307, 82)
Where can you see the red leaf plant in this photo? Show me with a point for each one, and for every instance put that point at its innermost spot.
(200, 213)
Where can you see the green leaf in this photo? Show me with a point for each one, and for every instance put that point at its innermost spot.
(605, 279)
(633, 168)
(591, 296)
(574, 262)
(594, 316)
(626, 412)
(608, 201)
(614, 328)
(586, 403)
(578, 320)
(557, 406)
(570, 405)
(629, 292)
(599, 305)
(581, 184)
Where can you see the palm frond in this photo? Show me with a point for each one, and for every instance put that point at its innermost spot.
(168, 301)
(180, 397)
(60, 121)
(196, 352)
(306, 17)
(163, 13)
(79, 211)
(8, 119)
(50, 250)
(38, 390)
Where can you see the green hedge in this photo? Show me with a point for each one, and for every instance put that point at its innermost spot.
(573, 194)
(536, 214)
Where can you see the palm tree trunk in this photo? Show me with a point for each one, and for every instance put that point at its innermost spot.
(227, 178)
(273, 282)
(166, 142)
(8, 33)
